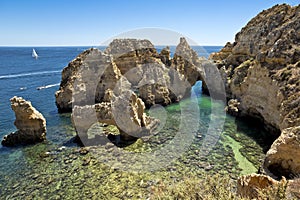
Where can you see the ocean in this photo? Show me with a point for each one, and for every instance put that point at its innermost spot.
(41, 172)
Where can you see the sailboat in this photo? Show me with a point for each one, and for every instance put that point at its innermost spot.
(34, 54)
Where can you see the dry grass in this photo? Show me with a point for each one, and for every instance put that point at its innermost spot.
(216, 187)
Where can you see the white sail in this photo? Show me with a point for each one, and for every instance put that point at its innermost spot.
(34, 54)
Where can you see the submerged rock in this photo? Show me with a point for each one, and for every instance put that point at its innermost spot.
(261, 69)
(30, 123)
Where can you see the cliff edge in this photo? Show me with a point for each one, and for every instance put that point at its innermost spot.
(261, 72)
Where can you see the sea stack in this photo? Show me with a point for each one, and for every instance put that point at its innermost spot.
(30, 123)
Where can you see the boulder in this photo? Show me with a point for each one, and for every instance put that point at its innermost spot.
(254, 186)
(248, 186)
(283, 158)
(30, 123)
(233, 107)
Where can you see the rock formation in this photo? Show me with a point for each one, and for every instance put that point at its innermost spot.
(187, 62)
(125, 111)
(165, 56)
(147, 70)
(30, 123)
(250, 185)
(253, 185)
(233, 107)
(69, 75)
(128, 70)
(261, 71)
(262, 67)
(283, 158)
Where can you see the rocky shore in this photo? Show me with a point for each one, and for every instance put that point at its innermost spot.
(261, 72)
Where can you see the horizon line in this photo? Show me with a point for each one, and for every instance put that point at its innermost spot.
(216, 45)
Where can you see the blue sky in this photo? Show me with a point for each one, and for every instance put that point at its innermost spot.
(91, 22)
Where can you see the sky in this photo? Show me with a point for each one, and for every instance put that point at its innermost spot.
(92, 22)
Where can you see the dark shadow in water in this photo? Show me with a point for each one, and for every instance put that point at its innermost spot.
(101, 139)
(255, 129)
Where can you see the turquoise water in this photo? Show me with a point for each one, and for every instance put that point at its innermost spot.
(58, 169)
(47, 171)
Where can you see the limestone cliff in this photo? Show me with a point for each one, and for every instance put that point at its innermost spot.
(68, 76)
(261, 71)
(30, 123)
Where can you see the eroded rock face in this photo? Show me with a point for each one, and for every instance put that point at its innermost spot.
(146, 70)
(165, 56)
(154, 85)
(261, 69)
(126, 111)
(293, 189)
(249, 185)
(252, 185)
(283, 158)
(187, 62)
(130, 55)
(69, 74)
(30, 123)
(128, 70)
(156, 78)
